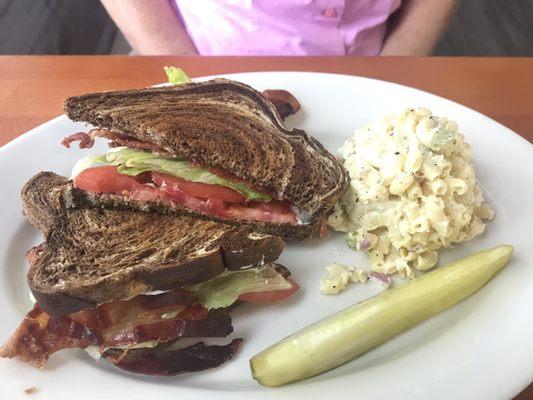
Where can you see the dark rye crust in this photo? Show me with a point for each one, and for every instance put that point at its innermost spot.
(92, 256)
(40, 199)
(74, 198)
(226, 125)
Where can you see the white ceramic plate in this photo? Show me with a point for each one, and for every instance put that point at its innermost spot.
(480, 349)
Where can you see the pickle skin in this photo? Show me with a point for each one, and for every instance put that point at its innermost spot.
(361, 327)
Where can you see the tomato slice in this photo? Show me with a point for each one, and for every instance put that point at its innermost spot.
(107, 179)
(272, 296)
(214, 200)
(171, 183)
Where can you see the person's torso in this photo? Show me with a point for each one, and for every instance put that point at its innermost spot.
(286, 27)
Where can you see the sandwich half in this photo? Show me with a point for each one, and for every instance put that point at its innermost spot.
(215, 150)
(139, 289)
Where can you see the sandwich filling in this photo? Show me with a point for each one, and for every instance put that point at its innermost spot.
(145, 174)
(140, 335)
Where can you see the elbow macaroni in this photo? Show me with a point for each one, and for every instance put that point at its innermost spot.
(413, 190)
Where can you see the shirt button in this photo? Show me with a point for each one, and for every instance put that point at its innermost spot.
(329, 12)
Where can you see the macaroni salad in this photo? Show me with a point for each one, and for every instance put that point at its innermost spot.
(413, 190)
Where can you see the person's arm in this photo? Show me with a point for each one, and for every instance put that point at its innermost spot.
(151, 27)
(417, 28)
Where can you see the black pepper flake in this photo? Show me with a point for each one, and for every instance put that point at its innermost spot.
(397, 153)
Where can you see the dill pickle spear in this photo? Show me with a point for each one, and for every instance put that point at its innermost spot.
(357, 329)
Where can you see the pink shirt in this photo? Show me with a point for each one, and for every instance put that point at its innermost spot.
(286, 27)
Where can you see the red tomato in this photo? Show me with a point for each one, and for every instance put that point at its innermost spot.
(171, 183)
(104, 180)
(272, 296)
(230, 177)
(107, 179)
(212, 200)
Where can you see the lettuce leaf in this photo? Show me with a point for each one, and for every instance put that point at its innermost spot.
(88, 162)
(134, 162)
(176, 76)
(224, 290)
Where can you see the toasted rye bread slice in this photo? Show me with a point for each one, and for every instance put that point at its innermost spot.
(226, 125)
(40, 199)
(94, 256)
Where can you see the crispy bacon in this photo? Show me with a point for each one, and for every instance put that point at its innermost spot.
(86, 139)
(194, 358)
(40, 335)
(119, 140)
(161, 317)
(285, 103)
(192, 321)
(138, 144)
(164, 317)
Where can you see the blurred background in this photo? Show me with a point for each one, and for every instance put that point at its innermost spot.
(479, 28)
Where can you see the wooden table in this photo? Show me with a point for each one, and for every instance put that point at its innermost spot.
(33, 87)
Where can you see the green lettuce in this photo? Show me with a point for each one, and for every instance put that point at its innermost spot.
(88, 162)
(134, 162)
(176, 76)
(224, 290)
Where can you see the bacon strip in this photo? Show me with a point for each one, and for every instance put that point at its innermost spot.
(164, 317)
(125, 141)
(194, 358)
(187, 323)
(86, 139)
(40, 335)
(116, 140)
(284, 102)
